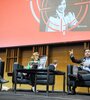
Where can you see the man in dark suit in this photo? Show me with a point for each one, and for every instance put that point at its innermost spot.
(84, 66)
(1, 79)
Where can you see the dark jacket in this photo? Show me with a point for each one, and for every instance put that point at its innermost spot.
(78, 61)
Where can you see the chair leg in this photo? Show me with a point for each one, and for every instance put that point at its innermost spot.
(0, 86)
(14, 87)
(47, 90)
(52, 88)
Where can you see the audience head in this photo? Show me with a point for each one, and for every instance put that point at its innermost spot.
(55, 63)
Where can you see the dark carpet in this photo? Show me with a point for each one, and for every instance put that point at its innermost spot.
(28, 95)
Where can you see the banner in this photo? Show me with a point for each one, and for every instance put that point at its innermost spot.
(34, 22)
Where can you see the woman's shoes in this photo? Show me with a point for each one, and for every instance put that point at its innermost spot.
(33, 89)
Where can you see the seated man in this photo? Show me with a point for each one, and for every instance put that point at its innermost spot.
(84, 67)
(1, 79)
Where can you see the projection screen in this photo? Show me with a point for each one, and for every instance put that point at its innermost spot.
(34, 22)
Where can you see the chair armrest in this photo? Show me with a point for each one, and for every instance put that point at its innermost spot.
(69, 69)
(14, 77)
(70, 74)
(15, 74)
(2, 69)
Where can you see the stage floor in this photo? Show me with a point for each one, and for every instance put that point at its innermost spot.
(28, 95)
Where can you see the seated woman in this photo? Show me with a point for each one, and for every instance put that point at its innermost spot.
(33, 64)
(34, 60)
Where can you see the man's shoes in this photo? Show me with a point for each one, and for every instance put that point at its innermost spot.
(4, 88)
(3, 81)
(69, 92)
(72, 92)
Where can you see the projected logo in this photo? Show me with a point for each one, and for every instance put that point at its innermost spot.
(35, 9)
(61, 15)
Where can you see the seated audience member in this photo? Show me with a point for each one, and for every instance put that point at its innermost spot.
(33, 64)
(53, 65)
(84, 66)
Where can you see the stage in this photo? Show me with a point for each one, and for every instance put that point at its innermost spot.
(28, 95)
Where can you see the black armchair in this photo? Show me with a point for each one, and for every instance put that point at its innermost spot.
(46, 77)
(18, 77)
(42, 76)
(83, 79)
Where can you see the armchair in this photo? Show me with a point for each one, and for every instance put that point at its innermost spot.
(17, 77)
(83, 79)
(42, 76)
(46, 77)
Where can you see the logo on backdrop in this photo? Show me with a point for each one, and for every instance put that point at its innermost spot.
(37, 5)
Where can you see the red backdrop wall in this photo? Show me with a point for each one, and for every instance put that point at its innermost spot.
(18, 27)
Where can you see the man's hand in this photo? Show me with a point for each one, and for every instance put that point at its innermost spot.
(71, 52)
